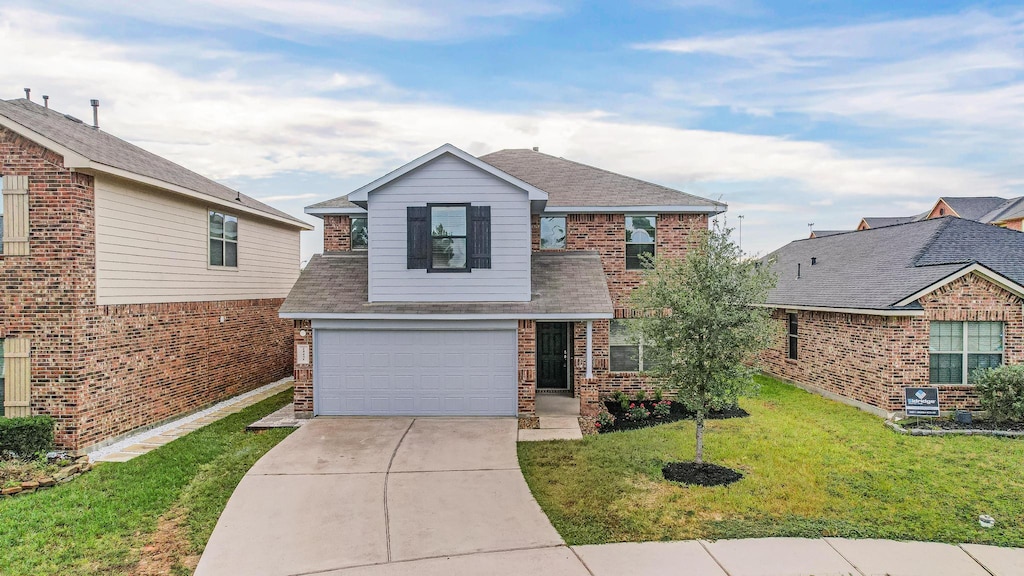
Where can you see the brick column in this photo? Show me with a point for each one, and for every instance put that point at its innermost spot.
(527, 373)
(303, 392)
(337, 233)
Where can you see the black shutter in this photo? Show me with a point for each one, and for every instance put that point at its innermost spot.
(417, 237)
(479, 236)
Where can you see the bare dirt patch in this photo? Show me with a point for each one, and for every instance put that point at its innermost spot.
(167, 552)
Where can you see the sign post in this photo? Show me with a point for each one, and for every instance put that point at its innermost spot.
(922, 402)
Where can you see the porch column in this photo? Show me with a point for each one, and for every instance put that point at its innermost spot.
(590, 349)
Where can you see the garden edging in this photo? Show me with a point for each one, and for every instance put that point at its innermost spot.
(969, 432)
(62, 476)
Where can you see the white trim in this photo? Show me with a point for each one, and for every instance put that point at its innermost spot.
(653, 209)
(418, 325)
(407, 316)
(866, 311)
(360, 194)
(334, 211)
(76, 162)
(986, 273)
(590, 349)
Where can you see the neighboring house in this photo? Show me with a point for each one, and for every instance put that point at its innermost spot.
(134, 289)
(823, 233)
(1007, 213)
(864, 314)
(457, 285)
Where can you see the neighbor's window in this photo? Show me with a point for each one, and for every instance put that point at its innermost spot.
(359, 234)
(791, 350)
(640, 231)
(959, 348)
(448, 226)
(626, 355)
(223, 240)
(552, 232)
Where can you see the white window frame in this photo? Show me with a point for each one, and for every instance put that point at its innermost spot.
(351, 234)
(965, 351)
(654, 244)
(209, 236)
(565, 231)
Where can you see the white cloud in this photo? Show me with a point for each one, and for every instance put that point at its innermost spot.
(307, 19)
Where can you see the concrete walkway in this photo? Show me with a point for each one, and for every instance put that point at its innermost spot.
(443, 496)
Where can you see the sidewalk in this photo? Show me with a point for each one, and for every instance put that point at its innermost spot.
(800, 557)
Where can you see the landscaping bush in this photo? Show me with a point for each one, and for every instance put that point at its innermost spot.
(1001, 392)
(26, 437)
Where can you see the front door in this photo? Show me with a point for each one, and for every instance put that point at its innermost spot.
(553, 355)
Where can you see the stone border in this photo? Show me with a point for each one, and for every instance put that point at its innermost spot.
(62, 476)
(969, 432)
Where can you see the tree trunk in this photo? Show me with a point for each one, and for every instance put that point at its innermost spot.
(699, 458)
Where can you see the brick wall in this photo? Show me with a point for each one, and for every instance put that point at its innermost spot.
(150, 362)
(527, 344)
(104, 370)
(1017, 225)
(872, 358)
(303, 375)
(337, 233)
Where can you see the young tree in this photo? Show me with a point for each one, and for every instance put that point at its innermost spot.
(703, 321)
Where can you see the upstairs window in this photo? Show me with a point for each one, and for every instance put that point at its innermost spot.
(959, 348)
(552, 233)
(448, 225)
(359, 233)
(223, 240)
(640, 237)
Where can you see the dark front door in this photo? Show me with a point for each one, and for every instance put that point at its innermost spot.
(553, 355)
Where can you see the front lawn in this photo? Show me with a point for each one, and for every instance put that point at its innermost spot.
(151, 515)
(812, 467)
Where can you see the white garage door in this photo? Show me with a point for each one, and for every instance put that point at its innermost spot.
(415, 372)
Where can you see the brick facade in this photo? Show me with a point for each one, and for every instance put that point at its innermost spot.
(872, 358)
(303, 373)
(337, 233)
(101, 371)
(527, 374)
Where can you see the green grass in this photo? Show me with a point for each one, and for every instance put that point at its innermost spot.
(99, 523)
(812, 468)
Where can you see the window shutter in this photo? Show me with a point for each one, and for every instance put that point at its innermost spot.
(15, 228)
(417, 237)
(17, 379)
(480, 236)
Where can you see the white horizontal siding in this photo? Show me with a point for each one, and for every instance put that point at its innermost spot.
(152, 247)
(450, 180)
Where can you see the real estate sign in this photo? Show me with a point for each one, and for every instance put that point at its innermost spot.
(922, 401)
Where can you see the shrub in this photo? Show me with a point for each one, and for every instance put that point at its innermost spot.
(658, 392)
(662, 409)
(641, 395)
(605, 420)
(637, 412)
(623, 399)
(1001, 392)
(26, 437)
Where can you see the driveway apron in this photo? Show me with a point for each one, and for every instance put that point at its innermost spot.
(389, 496)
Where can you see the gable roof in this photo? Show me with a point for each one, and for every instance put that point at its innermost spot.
(879, 268)
(574, 185)
(89, 149)
(566, 285)
(1009, 210)
(823, 233)
(972, 207)
(883, 221)
(568, 185)
(359, 196)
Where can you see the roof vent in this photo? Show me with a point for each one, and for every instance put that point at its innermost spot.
(46, 100)
(95, 113)
(536, 148)
(73, 119)
(814, 261)
(28, 94)
(797, 270)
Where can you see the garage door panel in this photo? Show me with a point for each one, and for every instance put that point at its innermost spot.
(379, 372)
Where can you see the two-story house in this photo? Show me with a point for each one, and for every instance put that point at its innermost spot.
(133, 289)
(458, 285)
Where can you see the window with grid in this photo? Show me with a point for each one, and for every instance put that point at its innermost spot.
(957, 349)
(223, 240)
(640, 236)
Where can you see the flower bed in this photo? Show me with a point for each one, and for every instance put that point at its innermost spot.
(642, 413)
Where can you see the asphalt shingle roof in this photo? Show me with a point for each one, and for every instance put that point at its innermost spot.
(569, 183)
(878, 267)
(883, 221)
(1011, 209)
(103, 148)
(973, 208)
(563, 283)
(823, 233)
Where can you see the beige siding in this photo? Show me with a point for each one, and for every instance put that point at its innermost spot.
(17, 377)
(151, 246)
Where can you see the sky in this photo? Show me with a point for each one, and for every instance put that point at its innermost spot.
(791, 112)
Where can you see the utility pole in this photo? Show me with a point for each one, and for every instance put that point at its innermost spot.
(741, 232)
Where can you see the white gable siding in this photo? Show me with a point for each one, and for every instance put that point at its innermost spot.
(152, 246)
(449, 180)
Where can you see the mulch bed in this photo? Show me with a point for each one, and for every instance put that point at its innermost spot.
(700, 474)
(950, 424)
(678, 412)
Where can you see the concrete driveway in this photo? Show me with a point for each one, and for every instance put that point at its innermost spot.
(353, 496)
